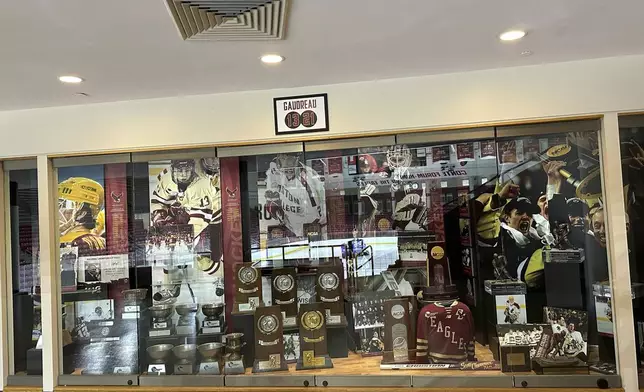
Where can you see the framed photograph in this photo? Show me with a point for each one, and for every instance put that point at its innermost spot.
(511, 309)
(301, 114)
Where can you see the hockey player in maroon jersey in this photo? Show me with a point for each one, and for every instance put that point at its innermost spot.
(445, 334)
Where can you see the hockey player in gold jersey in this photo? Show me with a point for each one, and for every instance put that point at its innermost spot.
(80, 202)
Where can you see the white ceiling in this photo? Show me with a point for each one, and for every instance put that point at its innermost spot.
(130, 49)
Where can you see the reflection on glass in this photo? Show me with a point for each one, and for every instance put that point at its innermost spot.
(632, 140)
(27, 327)
(99, 324)
(178, 207)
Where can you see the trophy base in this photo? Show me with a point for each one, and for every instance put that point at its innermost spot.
(210, 368)
(399, 357)
(186, 330)
(160, 332)
(336, 319)
(319, 362)
(234, 367)
(122, 370)
(156, 369)
(275, 365)
(289, 322)
(210, 331)
(183, 369)
(439, 293)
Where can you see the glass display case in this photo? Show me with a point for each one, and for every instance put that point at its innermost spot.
(25, 337)
(414, 258)
(631, 135)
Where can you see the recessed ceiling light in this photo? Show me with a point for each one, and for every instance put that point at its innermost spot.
(512, 35)
(70, 79)
(272, 59)
(526, 53)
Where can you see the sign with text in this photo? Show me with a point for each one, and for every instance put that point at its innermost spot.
(301, 114)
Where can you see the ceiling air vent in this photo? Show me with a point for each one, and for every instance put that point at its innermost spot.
(229, 19)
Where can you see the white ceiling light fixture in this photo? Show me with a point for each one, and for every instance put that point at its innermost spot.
(512, 35)
(70, 79)
(272, 59)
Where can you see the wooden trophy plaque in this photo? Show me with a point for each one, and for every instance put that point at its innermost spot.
(269, 344)
(328, 290)
(399, 335)
(313, 339)
(248, 288)
(284, 293)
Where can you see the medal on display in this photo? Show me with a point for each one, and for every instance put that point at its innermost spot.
(312, 320)
(247, 275)
(267, 324)
(283, 283)
(329, 281)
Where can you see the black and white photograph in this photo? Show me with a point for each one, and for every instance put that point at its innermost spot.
(305, 289)
(68, 267)
(522, 335)
(92, 272)
(569, 330)
(369, 313)
(372, 341)
(291, 347)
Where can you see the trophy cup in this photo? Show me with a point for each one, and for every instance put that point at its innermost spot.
(313, 344)
(187, 324)
(398, 333)
(439, 280)
(284, 294)
(186, 355)
(329, 293)
(269, 343)
(158, 354)
(248, 288)
(133, 299)
(213, 323)
(211, 358)
(161, 322)
(234, 363)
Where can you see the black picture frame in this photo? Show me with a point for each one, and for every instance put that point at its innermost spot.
(326, 113)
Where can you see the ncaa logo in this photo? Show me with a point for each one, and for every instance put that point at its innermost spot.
(437, 253)
(397, 311)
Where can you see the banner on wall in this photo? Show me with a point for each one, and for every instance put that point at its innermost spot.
(233, 252)
(116, 230)
(301, 114)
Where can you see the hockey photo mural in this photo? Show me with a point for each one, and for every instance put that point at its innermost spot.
(184, 240)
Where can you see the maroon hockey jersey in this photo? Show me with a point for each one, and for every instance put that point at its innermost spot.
(445, 334)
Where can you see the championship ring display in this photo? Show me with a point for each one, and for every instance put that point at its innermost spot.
(269, 343)
(248, 288)
(284, 294)
(329, 293)
(313, 337)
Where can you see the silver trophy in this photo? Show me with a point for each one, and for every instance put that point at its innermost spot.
(187, 324)
(211, 354)
(160, 320)
(133, 299)
(186, 355)
(213, 323)
(158, 358)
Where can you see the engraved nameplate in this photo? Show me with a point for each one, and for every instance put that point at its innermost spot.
(131, 308)
(211, 323)
(161, 332)
(160, 325)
